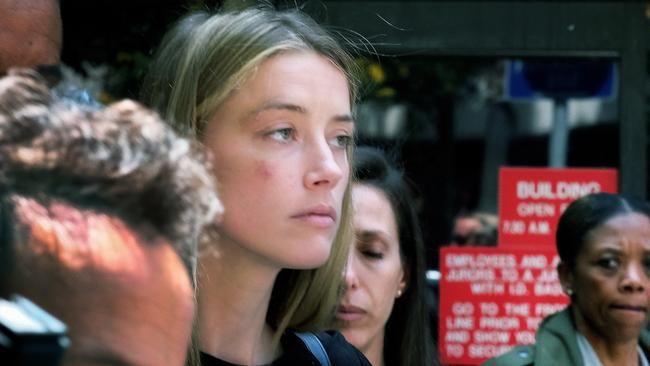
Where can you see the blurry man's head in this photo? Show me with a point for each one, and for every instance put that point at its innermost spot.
(123, 292)
(102, 212)
(475, 229)
(30, 33)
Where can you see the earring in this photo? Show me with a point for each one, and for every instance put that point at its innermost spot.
(399, 293)
(569, 291)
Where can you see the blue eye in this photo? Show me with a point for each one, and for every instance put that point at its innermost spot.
(282, 134)
(342, 141)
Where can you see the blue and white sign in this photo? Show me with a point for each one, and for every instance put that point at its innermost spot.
(561, 79)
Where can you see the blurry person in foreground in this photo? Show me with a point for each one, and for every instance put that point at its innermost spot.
(383, 311)
(604, 245)
(101, 213)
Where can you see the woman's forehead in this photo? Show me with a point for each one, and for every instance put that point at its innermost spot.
(622, 228)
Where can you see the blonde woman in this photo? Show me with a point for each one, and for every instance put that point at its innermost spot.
(270, 94)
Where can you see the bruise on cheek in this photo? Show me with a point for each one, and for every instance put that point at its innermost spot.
(263, 170)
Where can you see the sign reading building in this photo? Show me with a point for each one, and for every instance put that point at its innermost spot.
(531, 200)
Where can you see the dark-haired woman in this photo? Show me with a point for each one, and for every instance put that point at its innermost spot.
(604, 245)
(383, 312)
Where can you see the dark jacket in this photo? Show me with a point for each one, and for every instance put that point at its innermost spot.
(555, 344)
(295, 353)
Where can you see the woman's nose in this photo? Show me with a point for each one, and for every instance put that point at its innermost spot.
(324, 171)
(634, 279)
(350, 274)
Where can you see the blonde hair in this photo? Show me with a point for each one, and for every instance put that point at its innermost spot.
(201, 61)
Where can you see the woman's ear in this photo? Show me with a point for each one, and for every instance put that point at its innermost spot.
(566, 277)
(403, 281)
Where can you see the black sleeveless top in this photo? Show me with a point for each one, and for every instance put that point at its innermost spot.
(340, 352)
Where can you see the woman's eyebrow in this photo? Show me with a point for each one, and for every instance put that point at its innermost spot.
(276, 106)
(608, 248)
(367, 235)
(270, 106)
(343, 118)
(273, 105)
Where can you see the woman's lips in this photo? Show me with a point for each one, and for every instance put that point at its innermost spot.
(634, 308)
(321, 221)
(321, 216)
(350, 313)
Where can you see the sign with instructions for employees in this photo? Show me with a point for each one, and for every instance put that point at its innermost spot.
(494, 298)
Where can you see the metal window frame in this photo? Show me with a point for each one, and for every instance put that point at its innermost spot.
(615, 29)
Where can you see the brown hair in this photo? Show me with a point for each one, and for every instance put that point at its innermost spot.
(121, 159)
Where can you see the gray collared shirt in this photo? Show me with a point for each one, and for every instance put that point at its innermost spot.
(590, 358)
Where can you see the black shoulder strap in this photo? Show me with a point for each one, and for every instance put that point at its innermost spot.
(315, 346)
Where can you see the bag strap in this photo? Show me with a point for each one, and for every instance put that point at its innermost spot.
(315, 346)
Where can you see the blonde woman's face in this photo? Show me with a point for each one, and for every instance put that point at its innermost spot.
(374, 275)
(279, 143)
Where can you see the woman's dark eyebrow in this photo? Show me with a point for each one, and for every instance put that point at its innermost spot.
(610, 249)
(366, 235)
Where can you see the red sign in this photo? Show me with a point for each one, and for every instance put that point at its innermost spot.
(531, 200)
(494, 298)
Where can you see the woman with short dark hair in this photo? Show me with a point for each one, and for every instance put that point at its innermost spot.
(604, 245)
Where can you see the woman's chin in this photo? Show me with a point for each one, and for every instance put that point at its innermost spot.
(308, 259)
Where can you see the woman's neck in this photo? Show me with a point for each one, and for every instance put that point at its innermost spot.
(234, 290)
(374, 351)
(615, 353)
(619, 351)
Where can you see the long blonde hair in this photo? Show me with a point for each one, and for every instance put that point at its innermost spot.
(200, 62)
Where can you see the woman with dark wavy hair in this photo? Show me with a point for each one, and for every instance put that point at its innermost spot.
(383, 312)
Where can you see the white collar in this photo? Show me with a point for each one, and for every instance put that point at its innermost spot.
(590, 358)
